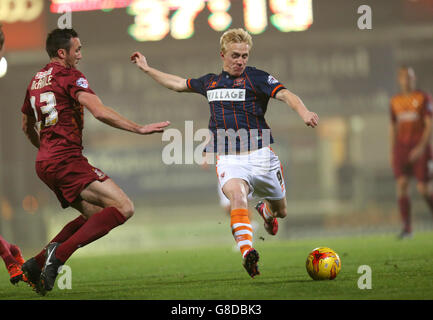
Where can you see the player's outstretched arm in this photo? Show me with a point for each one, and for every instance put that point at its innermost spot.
(311, 119)
(167, 80)
(112, 118)
(29, 127)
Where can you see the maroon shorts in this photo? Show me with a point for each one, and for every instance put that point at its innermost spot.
(67, 177)
(419, 169)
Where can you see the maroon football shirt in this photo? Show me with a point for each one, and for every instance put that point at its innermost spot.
(51, 98)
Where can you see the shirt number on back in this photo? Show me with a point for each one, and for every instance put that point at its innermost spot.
(48, 109)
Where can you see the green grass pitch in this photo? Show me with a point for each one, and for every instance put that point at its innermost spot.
(400, 270)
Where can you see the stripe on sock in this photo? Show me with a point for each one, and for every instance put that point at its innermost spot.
(241, 229)
(267, 213)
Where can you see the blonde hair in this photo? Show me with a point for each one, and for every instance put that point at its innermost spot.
(235, 36)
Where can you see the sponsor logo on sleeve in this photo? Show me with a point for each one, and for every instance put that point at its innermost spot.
(99, 173)
(272, 80)
(82, 82)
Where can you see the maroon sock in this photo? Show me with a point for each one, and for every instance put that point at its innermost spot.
(404, 206)
(96, 227)
(5, 252)
(62, 236)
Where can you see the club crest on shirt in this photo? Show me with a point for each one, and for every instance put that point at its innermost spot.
(82, 82)
(272, 80)
(239, 82)
(213, 85)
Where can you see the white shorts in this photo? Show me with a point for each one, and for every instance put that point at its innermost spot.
(261, 169)
(224, 201)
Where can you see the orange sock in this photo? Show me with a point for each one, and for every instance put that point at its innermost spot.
(241, 229)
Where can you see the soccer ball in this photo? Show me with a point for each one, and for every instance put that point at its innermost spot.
(323, 264)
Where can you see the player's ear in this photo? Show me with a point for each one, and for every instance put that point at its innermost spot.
(222, 54)
(61, 53)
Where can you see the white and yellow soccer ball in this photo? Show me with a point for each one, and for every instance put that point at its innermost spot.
(323, 263)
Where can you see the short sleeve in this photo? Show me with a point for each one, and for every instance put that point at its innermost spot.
(201, 84)
(75, 83)
(27, 108)
(268, 84)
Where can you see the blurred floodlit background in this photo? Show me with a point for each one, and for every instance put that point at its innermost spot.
(338, 176)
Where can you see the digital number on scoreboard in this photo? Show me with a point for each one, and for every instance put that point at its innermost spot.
(156, 19)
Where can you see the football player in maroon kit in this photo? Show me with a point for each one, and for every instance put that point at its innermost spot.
(52, 119)
(11, 254)
(410, 134)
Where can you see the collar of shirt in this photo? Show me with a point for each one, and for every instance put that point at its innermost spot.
(227, 75)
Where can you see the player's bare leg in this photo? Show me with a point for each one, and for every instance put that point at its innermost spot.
(278, 207)
(86, 208)
(236, 190)
(404, 205)
(107, 194)
(116, 209)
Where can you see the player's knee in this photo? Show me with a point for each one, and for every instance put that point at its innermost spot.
(422, 189)
(402, 188)
(237, 197)
(127, 208)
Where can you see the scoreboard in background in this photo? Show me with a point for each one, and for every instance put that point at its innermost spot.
(155, 19)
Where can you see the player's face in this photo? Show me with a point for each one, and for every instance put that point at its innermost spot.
(74, 55)
(406, 79)
(235, 59)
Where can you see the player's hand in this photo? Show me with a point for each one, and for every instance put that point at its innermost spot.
(153, 127)
(415, 154)
(311, 119)
(139, 60)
